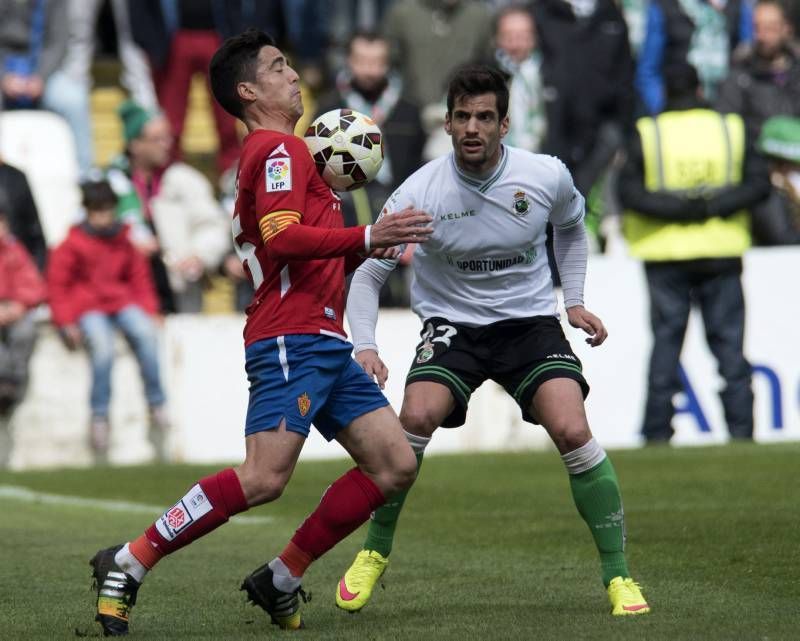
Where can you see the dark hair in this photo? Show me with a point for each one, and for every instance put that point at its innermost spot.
(474, 80)
(369, 35)
(234, 62)
(97, 194)
(680, 80)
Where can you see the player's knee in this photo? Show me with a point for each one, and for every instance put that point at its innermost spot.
(399, 475)
(568, 433)
(419, 420)
(262, 487)
(406, 471)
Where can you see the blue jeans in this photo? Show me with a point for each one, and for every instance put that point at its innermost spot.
(716, 287)
(140, 332)
(70, 100)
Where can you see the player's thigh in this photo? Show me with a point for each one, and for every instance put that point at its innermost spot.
(558, 405)
(291, 379)
(379, 447)
(269, 462)
(535, 363)
(426, 405)
(451, 356)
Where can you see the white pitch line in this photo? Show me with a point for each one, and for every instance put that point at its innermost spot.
(26, 495)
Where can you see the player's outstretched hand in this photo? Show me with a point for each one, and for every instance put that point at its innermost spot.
(582, 318)
(373, 366)
(406, 226)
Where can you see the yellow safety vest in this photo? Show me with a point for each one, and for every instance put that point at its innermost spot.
(689, 152)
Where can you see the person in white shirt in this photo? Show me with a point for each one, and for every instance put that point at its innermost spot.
(483, 290)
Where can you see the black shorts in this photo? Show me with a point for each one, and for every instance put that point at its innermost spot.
(519, 354)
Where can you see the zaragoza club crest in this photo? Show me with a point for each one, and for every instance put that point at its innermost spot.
(303, 404)
(521, 203)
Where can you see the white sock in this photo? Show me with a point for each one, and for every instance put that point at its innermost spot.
(418, 443)
(281, 577)
(129, 564)
(587, 456)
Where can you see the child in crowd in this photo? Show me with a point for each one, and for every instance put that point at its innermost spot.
(98, 283)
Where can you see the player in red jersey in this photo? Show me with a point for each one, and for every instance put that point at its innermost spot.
(289, 234)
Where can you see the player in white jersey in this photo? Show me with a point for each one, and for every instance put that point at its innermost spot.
(483, 289)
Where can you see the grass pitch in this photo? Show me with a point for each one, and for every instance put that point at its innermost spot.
(489, 547)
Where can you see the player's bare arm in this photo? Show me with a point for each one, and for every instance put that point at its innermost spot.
(581, 318)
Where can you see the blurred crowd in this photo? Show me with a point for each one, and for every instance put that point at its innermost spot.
(583, 74)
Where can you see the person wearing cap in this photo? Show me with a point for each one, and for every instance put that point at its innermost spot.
(175, 219)
(776, 221)
(690, 176)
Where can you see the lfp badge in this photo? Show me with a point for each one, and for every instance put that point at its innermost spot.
(279, 174)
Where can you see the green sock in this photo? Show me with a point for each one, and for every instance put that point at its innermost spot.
(384, 521)
(597, 497)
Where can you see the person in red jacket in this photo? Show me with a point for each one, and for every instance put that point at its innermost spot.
(99, 282)
(21, 289)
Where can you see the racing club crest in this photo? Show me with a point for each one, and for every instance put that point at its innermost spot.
(425, 352)
(303, 404)
(521, 203)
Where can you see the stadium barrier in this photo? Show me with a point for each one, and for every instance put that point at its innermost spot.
(207, 388)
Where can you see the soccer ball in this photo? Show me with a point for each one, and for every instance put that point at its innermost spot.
(347, 147)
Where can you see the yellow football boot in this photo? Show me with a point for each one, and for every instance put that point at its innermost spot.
(355, 587)
(626, 598)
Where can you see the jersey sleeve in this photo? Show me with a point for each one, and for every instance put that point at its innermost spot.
(280, 182)
(568, 207)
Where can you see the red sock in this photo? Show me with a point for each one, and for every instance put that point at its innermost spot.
(206, 506)
(345, 505)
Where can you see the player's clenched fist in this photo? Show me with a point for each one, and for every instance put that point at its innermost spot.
(406, 226)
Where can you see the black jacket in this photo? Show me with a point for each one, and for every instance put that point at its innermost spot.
(23, 217)
(587, 72)
(756, 92)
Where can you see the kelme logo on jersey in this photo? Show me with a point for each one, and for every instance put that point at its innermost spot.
(279, 174)
(521, 203)
(303, 404)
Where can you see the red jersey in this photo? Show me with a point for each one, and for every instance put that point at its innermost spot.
(289, 233)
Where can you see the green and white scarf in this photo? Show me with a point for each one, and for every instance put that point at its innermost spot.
(525, 106)
(709, 50)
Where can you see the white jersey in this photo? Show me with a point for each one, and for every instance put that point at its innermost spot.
(486, 259)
